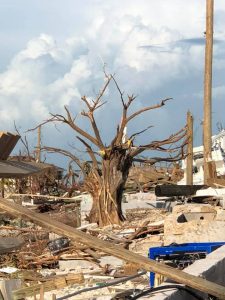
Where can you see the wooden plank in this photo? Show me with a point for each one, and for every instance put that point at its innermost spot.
(74, 199)
(56, 283)
(115, 250)
(42, 292)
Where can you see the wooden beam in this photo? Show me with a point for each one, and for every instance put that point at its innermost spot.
(189, 169)
(66, 199)
(115, 250)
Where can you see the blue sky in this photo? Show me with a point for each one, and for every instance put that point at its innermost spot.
(52, 53)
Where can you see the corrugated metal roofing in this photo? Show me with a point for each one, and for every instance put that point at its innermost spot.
(19, 169)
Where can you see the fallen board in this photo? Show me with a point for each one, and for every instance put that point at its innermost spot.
(117, 251)
(176, 190)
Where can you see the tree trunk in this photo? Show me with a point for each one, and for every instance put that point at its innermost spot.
(108, 191)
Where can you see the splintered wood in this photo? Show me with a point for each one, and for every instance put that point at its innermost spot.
(49, 285)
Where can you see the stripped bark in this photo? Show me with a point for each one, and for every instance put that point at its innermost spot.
(106, 175)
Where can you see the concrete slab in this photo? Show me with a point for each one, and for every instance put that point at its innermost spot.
(77, 265)
(194, 223)
(111, 260)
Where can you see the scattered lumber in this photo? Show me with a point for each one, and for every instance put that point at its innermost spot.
(216, 182)
(115, 250)
(15, 228)
(47, 197)
(138, 231)
(56, 283)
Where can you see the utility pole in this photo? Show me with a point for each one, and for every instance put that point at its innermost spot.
(207, 124)
(38, 156)
(189, 160)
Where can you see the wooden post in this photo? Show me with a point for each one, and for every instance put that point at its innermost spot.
(2, 188)
(207, 125)
(38, 158)
(189, 169)
(42, 292)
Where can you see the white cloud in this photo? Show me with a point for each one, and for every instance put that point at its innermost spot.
(137, 41)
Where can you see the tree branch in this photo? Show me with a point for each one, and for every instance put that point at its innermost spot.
(109, 78)
(118, 88)
(65, 153)
(92, 107)
(178, 136)
(93, 158)
(123, 123)
(89, 151)
(24, 141)
(95, 128)
(126, 119)
(147, 109)
(70, 122)
(53, 119)
(154, 160)
(140, 132)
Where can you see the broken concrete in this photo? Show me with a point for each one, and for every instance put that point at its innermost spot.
(77, 265)
(142, 247)
(194, 223)
(8, 244)
(111, 260)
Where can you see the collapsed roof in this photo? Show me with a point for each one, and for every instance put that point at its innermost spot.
(14, 167)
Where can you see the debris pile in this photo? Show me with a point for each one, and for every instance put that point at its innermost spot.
(46, 263)
(42, 263)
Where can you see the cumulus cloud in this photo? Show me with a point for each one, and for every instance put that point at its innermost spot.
(155, 49)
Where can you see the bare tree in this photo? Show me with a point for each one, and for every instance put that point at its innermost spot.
(106, 175)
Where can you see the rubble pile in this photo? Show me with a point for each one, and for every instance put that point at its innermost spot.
(42, 262)
(36, 263)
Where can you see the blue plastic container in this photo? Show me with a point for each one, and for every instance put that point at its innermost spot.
(180, 249)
